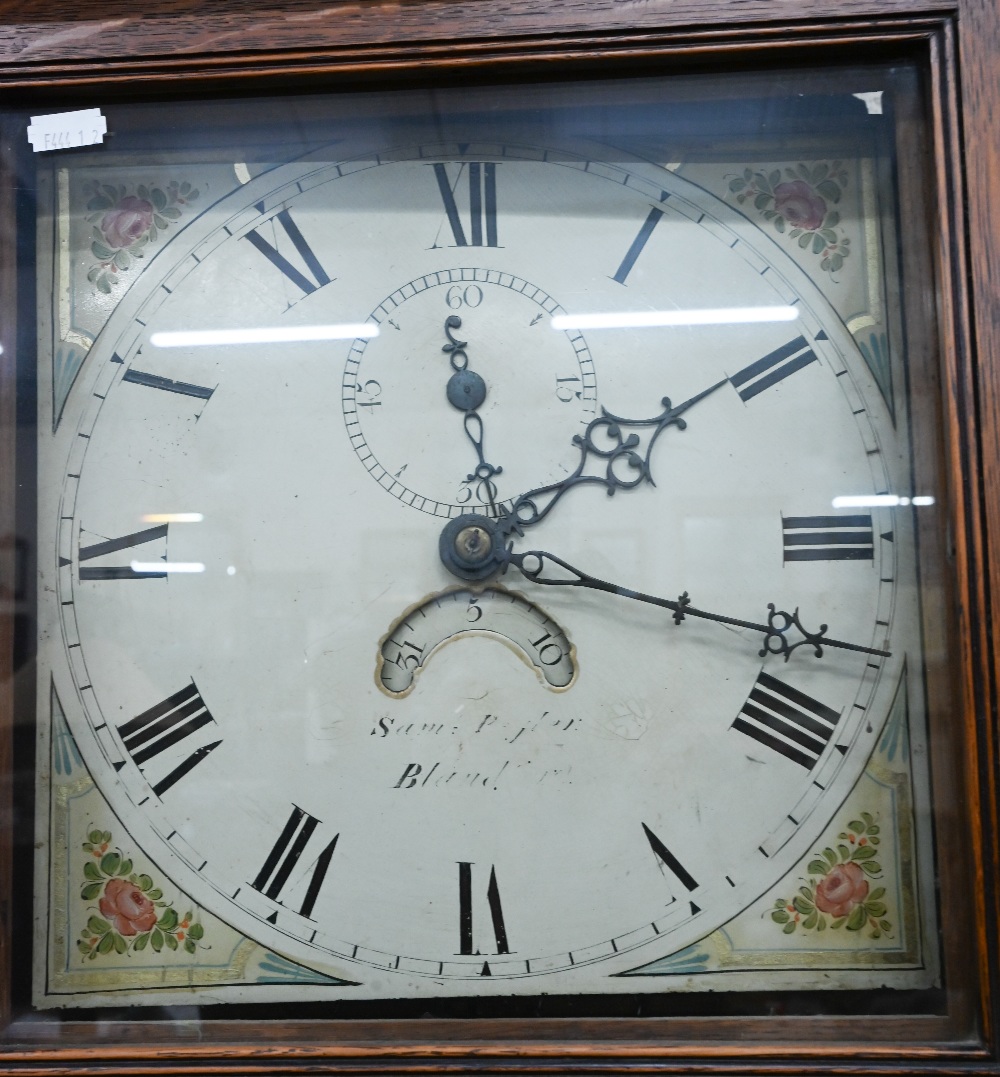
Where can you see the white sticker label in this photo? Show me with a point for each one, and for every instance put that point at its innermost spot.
(67, 130)
(872, 100)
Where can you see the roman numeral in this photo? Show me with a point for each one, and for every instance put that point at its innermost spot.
(281, 263)
(786, 720)
(167, 723)
(482, 178)
(109, 546)
(773, 368)
(285, 855)
(154, 381)
(638, 243)
(667, 860)
(828, 538)
(465, 936)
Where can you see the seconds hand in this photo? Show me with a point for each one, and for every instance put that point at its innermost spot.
(466, 390)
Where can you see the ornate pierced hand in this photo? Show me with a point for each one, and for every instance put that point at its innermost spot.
(534, 563)
(621, 452)
(474, 547)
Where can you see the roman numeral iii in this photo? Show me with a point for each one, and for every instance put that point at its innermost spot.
(787, 721)
(482, 183)
(828, 538)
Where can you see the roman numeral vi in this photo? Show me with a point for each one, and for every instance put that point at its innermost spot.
(465, 935)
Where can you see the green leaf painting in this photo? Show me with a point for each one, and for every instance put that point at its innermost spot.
(130, 913)
(124, 221)
(799, 203)
(838, 892)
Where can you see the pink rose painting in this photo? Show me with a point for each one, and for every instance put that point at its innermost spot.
(799, 202)
(125, 220)
(841, 891)
(127, 907)
(838, 893)
(131, 913)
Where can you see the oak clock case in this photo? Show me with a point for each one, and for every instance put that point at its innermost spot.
(436, 638)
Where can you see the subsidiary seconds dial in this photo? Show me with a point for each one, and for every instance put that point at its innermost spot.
(534, 389)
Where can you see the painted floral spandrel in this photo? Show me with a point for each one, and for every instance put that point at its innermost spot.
(838, 892)
(130, 913)
(800, 201)
(125, 221)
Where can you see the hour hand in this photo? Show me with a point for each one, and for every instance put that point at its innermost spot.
(542, 567)
(625, 463)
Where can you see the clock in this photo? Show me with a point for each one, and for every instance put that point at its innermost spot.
(495, 559)
(541, 521)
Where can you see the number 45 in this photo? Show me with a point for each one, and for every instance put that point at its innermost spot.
(565, 390)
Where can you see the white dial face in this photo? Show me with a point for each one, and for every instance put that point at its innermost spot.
(405, 778)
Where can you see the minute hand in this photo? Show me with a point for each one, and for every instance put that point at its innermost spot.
(533, 564)
(621, 452)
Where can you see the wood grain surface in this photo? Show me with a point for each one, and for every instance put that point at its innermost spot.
(40, 31)
(978, 190)
(8, 565)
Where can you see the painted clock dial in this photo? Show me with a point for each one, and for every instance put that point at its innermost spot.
(427, 785)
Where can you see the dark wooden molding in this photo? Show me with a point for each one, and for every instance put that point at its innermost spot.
(976, 156)
(337, 54)
(45, 32)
